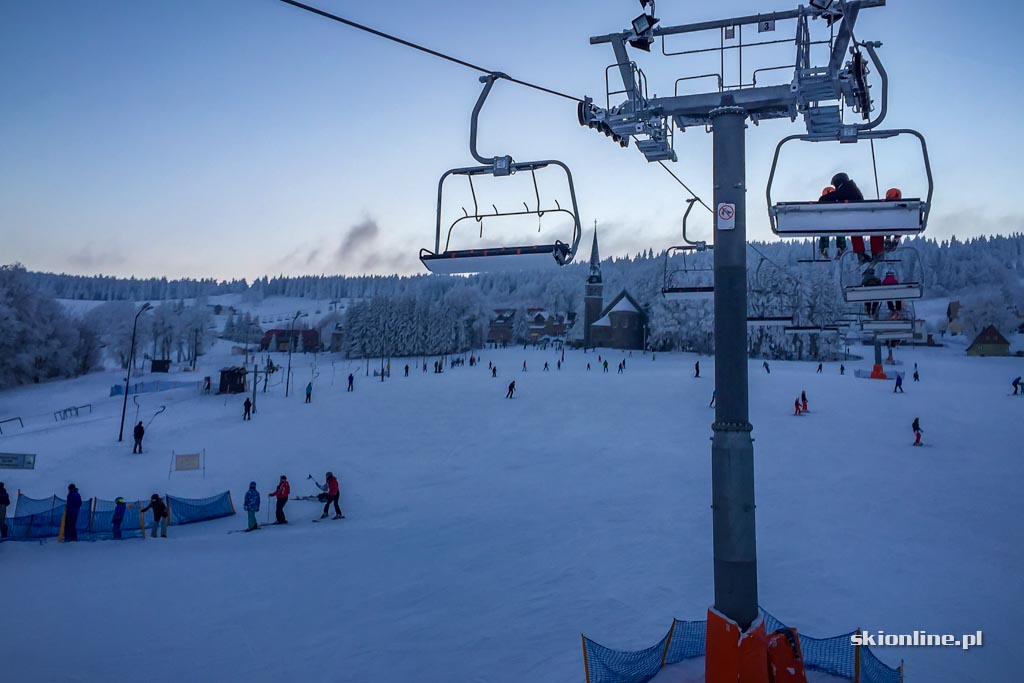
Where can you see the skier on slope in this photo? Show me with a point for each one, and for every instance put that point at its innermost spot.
(156, 504)
(333, 491)
(282, 492)
(917, 431)
(819, 369)
(72, 506)
(247, 409)
(803, 401)
(352, 379)
(766, 367)
(796, 407)
(511, 389)
(251, 505)
(604, 364)
(5, 500)
(696, 369)
(842, 369)
(118, 517)
(137, 433)
(899, 383)
(546, 368)
(494, 371)
(309, 392)
(1017, 385)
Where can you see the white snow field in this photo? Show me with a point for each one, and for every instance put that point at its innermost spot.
(484, 534)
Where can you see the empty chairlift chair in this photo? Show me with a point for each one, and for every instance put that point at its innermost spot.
(446, 260)
(690, 282)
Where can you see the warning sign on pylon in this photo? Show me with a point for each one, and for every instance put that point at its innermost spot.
(726, 216)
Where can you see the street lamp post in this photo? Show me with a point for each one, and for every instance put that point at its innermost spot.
(291, 345)
(131, 360)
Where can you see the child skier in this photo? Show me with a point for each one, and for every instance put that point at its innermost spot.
(796, 407)
(251, 505)
(803, 401)
(115, 521)
(917, 431)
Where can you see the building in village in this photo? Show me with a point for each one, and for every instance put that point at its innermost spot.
(299, 340)
(622, 324)
(989, 342)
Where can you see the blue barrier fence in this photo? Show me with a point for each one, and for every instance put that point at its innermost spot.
(38, 518)
(156, 385)
(686, 640)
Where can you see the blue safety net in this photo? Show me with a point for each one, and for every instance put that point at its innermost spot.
(686, 640)
(37, 518)
(189, 510)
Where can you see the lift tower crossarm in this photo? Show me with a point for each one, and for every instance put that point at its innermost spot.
(748, 20)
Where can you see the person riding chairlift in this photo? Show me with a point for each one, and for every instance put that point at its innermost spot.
(823, 241)
(871, 280)
(895, 307)
(891, 242)
(847, 191)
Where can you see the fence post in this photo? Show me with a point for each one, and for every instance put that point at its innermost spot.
(664, 655)
(92, 513)
(586, 666)
(856, 659)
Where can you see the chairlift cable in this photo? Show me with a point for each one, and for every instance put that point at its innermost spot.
(685, 187)
(421, 48)
(874, 165)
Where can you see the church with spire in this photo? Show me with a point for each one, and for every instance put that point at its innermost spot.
(621, 324)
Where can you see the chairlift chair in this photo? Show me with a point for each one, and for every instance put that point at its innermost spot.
(907, 216)
(894, 336)
(679, 284)
(769, 321)
(910, 287)
(448, 261)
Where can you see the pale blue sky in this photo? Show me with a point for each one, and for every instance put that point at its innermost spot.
(233, 138)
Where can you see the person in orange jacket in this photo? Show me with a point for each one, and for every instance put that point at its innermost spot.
(282, 492)
(796, 407)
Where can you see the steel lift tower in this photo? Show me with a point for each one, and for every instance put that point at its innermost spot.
(820, 95)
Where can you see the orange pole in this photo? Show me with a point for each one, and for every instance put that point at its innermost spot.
(63, 517)
(586, 665)
(856, 660)
(664, 655)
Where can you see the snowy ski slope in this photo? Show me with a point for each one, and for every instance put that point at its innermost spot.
(484, 534)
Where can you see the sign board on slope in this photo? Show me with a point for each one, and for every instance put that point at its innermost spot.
(17, 461)
(726, 215)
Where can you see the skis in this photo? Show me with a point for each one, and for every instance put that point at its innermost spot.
(325, 519)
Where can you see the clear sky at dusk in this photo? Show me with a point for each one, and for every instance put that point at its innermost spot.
(236, 138)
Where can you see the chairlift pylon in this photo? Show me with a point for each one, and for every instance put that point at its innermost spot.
(906, 216)
(445, 260)
(671, 287)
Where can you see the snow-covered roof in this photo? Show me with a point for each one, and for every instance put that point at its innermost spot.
(624, 305)
(603, 322)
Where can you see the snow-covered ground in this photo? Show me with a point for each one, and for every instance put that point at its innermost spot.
(484, 534)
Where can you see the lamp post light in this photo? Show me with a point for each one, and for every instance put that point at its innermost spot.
(291, 345)
(131, 360)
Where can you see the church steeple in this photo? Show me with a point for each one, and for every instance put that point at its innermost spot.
(595, 261)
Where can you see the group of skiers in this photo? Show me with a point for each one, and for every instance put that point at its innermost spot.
(331, 495)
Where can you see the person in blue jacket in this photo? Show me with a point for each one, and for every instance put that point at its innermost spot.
(119, 510)
(252, 505)
(74, 504)
(899, 384)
